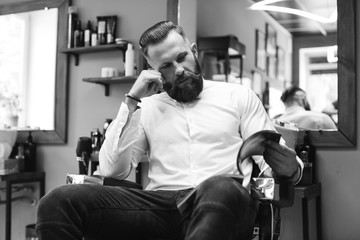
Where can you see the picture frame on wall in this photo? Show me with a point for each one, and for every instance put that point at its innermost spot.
(260, 54)
(271, 41)
(271, 66)
(280, 64)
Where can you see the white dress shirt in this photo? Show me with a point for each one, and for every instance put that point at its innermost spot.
(185, 143)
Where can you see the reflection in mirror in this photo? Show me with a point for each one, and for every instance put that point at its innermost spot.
(344, 38)
(313, 34)
(318, 77)
(27, 60)
(226, 15)
(30, 86)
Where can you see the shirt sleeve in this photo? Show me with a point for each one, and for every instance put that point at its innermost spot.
(125, 143)
(253, 119)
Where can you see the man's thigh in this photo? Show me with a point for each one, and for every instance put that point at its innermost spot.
(107, 212)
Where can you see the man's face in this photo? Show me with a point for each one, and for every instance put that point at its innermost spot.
(177, 62)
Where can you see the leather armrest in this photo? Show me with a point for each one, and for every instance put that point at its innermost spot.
(122, 183)
(100, 180)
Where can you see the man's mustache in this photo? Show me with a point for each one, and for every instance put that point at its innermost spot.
(187, 74)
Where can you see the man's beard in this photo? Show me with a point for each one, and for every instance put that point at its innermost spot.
(187, 87)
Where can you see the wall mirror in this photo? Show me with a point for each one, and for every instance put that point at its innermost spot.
(35, 64)
(345, 135)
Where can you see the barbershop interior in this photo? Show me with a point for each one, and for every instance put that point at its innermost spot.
(67, 65)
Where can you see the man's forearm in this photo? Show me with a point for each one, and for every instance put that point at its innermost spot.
(116, 152)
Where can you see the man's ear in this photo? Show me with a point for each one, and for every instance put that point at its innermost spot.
(194, 49)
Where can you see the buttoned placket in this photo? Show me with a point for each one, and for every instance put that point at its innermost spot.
(192, 142)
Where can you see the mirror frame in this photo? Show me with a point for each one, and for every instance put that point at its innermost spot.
(345, 135)
(59, 134)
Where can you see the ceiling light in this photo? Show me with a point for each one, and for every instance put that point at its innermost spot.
(265, 6)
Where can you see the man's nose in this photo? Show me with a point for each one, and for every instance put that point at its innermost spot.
(179, 69)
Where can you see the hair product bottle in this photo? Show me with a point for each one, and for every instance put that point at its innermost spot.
(101, 30)
(129, 60)
(78, 35)
(72, 19)
(111, 29)
(94, 38)
(87, 35)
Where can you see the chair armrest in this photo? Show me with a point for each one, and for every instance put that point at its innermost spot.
(123, 183)
(100, 180)
(280, 192)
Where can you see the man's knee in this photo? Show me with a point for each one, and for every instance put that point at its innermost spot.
(59, 199)
(226, 192)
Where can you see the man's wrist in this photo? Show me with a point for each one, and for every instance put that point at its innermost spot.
(132, 97)
(293, 178)
(131, 103)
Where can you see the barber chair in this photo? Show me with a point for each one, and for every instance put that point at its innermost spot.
(272, 195)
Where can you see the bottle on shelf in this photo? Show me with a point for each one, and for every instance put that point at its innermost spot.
(78, 35)
(72, 19)
(87, 35)
(129, 60)
(101, 30)
(94, 38)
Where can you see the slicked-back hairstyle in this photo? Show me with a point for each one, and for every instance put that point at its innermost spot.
(157, 33)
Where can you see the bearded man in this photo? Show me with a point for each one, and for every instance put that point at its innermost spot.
(189, 134)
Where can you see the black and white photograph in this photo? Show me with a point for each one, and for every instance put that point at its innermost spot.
(192, 119)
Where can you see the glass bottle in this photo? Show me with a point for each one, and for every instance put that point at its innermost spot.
(306, 152)
(30, 154)
(87, 35)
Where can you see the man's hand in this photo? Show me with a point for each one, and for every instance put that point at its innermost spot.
(148, 83)
(281, 159)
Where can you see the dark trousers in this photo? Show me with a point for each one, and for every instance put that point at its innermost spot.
(222, 209)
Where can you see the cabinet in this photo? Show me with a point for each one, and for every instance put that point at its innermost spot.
(106, 82)
(222, 49)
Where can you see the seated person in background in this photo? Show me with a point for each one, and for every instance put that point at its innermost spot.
(190, 134)
(297, 110)
(332, 110)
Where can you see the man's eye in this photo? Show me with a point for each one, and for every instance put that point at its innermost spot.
(181, 58)
(167, 65)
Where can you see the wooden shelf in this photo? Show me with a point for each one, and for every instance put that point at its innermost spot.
(100, 48)
(110, 80)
